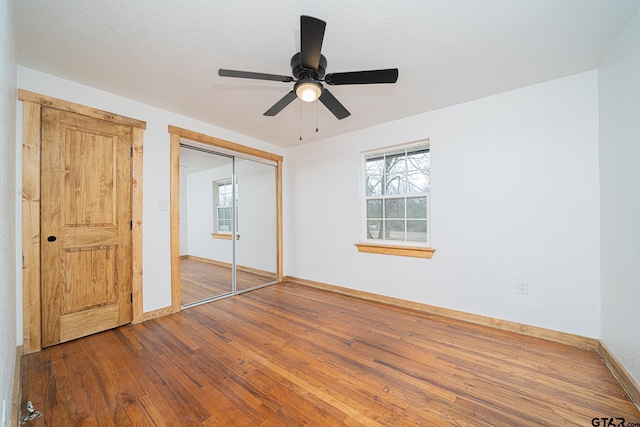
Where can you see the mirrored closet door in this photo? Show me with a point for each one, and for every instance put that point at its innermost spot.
(256, 244)
(227, 224)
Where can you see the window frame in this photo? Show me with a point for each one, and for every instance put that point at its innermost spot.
(216, 207)
(386, 246)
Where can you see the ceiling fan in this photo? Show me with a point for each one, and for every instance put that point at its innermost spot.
(308, 68)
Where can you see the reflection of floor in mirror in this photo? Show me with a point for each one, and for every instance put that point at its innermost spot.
(200, 280)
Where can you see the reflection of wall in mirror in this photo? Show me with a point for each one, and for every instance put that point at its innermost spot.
(256, 215)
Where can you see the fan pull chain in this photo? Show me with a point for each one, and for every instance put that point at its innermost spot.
(300, 105)
(316, 116)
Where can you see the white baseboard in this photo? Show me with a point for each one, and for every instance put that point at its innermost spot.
(622, 375)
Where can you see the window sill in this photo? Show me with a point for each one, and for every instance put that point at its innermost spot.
(224, 236)
(411, 251)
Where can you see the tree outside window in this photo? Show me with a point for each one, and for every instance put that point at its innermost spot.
(397, 188)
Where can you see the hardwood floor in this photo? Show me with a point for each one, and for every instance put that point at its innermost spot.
(292, 355)
(201, 280)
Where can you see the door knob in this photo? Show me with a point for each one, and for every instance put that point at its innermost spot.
(51, 239)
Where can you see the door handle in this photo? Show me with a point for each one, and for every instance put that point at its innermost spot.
(51, 239)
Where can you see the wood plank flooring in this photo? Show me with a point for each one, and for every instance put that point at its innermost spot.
(292, 355)
(201, 280)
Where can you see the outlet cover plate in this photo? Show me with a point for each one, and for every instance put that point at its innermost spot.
(522, 287)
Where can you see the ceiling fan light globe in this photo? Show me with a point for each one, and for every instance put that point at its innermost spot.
(308, 91)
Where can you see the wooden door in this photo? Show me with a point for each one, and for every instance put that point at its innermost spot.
(85, 225)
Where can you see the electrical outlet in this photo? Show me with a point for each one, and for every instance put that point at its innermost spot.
(522, 287)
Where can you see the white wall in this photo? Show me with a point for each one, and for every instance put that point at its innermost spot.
(156, 169)
(200, 215)
(619, 95)
(514, 197)
(256, 215)
(8, 332)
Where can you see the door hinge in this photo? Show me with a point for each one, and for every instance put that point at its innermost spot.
(131, 151)
(132, 297)
(131, 225)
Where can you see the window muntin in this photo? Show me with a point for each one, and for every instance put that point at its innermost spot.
(223, 196)
(397, 188)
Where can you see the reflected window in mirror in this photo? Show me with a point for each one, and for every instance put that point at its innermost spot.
(223, 202)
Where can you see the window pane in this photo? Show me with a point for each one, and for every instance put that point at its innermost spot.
(396, 184)
(418, 159)
(224, 225)
(374, 165)
(394, 208)
(224, 213)
(394, 230)
(374, 185)
(396, 163)
(374, 229)
(418, 170)
(417, 182)
(417, 207)
(223, 197)
(374, 208)
(416, 230)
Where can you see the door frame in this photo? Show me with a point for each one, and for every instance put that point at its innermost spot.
(31, 147)
(179, 133)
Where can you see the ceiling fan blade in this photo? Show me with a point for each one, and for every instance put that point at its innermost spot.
(311, 36)
(333, 105)
(256, 76)
(279, 106)
(363, 77)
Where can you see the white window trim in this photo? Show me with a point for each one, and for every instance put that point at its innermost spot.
(216, 198)
(392, 247)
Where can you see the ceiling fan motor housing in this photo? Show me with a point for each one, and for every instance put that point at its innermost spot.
(301, 72)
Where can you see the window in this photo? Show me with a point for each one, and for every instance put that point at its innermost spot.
(396, 202)
(223, 197)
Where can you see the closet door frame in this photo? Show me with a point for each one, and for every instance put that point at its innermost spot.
(177, 134)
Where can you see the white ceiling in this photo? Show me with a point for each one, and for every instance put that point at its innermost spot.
(194, 161)
(166, 53)
(196, 157)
